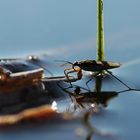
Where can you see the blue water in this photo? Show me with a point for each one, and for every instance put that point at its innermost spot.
(33, 26)
(67, 30)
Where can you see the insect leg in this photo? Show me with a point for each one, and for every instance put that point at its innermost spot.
(129, 88)
(88, 82)
(78, 70)
(79, 73)
(119, 80)
(96, 74)
(66, 74)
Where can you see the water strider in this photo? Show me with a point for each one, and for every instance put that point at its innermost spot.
(98, 67)
(92, 66)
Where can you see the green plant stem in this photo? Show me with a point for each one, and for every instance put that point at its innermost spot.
(100, 43)
(100, 31)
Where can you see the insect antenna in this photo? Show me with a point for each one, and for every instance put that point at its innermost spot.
(66, 62)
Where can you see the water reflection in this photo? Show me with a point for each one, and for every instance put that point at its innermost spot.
(81, 96)
(98, 83)
(54, 89)
(87, 124)
(89, 101)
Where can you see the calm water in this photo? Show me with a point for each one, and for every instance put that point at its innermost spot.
(33, 26)
(66, 30)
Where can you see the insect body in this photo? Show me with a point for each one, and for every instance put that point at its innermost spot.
(94, 66)
(90, 65)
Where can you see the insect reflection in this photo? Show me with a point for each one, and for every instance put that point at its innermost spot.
(82, 95)
(82, 98)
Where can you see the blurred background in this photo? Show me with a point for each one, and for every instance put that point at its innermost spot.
(62, 26)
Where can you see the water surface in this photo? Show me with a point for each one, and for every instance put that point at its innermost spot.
(66, 30)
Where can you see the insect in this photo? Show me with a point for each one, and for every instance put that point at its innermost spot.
(97, 67)
(89, 65)
(92, 66)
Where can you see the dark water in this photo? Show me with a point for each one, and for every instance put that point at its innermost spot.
(67, 31)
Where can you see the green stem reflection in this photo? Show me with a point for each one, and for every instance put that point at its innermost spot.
(98, 83)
